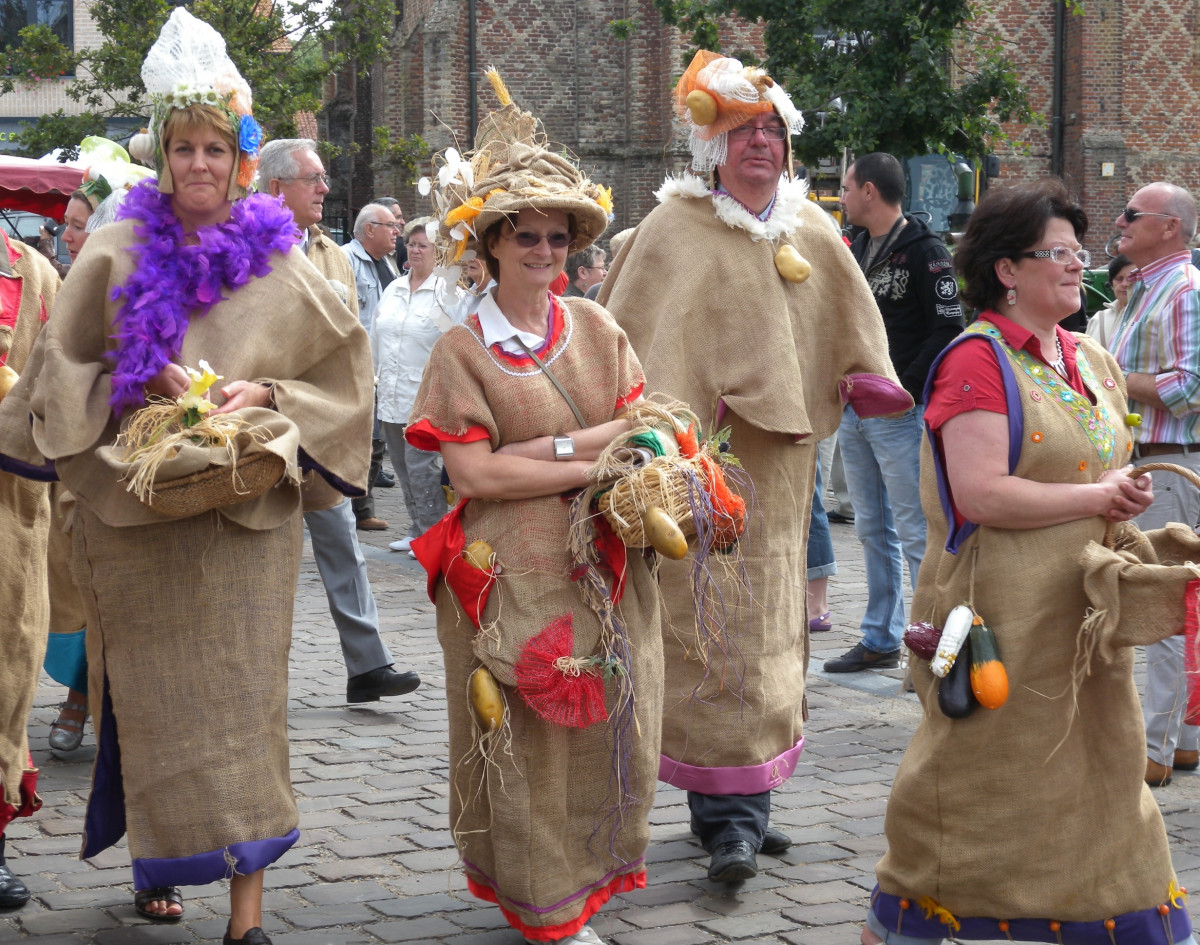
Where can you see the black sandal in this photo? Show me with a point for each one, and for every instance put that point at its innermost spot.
(143, 898)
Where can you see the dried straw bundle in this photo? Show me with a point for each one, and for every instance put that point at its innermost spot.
(157, 432)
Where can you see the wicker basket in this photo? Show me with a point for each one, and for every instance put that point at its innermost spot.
(217, 486)
(664, 483)
(1193, 478)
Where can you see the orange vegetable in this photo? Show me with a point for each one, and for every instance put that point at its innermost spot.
(989, 679)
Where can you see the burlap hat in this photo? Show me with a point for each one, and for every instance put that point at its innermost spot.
(717, 94)
(512, 167)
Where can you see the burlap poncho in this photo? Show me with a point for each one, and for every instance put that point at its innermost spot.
(1037, 809)
(717, 327)
(537, 827)
(24, 523)
(189, 620)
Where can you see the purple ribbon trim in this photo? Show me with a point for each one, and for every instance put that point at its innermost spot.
(748, 779)
(1133, 928)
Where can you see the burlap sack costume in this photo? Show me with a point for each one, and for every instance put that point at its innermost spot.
(1036, 810)
(536, 827)
(697, 291)
(189, 621)
(24, 523)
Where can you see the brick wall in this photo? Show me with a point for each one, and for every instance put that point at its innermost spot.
(1130, 95)
(1131, 99)
(49, 95)
(606, 99)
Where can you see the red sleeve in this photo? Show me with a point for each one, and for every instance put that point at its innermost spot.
(425, 436)
(630, 397)
(968, 379)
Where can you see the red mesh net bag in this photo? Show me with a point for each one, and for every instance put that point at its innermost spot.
(559, 687)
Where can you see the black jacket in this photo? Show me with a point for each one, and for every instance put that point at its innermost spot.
(913, 284)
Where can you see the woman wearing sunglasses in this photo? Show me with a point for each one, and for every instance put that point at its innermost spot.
(549, 807)
(1025, 818)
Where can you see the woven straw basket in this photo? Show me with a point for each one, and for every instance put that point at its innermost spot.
(216, 486)
(659, 483)
(1187, 474)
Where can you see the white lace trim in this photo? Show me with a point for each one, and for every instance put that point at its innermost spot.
(785, 215)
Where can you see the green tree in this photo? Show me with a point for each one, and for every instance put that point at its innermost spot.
(876, 75)
(284, 49)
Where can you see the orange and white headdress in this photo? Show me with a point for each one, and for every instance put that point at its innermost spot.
(717, 94)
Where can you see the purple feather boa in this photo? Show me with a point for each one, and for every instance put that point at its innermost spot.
(174, 281)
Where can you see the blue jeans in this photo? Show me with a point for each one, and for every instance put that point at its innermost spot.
(882, 458)
(821, 560)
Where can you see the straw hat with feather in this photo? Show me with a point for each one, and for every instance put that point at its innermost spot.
(512, 168)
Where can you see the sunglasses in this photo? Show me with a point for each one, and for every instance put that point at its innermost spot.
(1130, 214)
(528, 239)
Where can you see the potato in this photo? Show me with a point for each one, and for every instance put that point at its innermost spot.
(8, 377)
(791, 265)
(486, 700)
(479, 554)
(664, 535)
(702, 106)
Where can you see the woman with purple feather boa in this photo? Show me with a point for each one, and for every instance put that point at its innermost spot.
(189, 619)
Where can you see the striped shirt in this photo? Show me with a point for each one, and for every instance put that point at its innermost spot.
(1159, 334)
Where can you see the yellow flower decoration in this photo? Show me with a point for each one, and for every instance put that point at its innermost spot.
(1176, 894)
(466, 213)
(193, 401)
(605, 199)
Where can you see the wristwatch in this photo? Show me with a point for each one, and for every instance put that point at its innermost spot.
(564, 448)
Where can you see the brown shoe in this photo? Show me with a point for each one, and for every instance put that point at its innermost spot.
(1186, 760)
(371, 524)
(1157, 775)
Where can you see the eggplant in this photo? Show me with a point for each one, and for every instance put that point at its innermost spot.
(955, 698)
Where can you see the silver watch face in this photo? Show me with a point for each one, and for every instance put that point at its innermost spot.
(564, 447)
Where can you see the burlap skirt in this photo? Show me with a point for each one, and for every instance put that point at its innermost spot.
(734, 703)
(537, 829)
(189, 627)
(24, 519)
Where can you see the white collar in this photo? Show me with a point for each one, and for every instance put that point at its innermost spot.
(785, 214)
(497, 329)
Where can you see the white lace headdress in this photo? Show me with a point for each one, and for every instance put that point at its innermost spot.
(188, 65)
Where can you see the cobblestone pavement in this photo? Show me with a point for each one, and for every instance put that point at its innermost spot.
(376, 863)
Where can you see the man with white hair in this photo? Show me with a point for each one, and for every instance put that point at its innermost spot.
(291, 168)
(741, 300)
(375, 233)
(1157, 345)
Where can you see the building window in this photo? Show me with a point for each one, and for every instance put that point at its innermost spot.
(15, 15)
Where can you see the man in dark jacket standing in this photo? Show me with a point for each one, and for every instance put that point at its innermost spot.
(912, 278)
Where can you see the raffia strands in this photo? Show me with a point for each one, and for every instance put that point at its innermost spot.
(156, 432)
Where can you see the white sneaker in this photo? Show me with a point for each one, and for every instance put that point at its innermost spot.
(412, 554)
(404, 544)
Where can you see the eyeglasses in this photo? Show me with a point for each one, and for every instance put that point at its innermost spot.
(1130, 214)
(394, 227)
(1061, 255)
(772, 132)
(528, 239)
(601, 268)
(312, 179)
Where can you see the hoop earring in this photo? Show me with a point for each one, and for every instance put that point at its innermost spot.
(1011, 296)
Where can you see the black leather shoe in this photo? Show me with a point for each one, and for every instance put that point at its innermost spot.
(379, 683)
(774, 842)
(733, 862)
(254, 936)
(385, 480)
(13, 893)
(858, 658)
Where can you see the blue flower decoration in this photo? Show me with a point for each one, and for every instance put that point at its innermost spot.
(250, 135)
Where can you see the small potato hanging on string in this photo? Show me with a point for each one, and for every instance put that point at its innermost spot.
(791, 265)
(8, 377)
